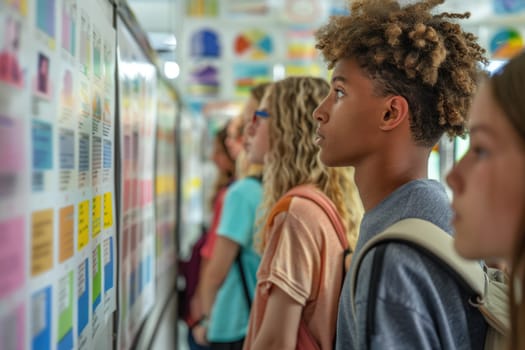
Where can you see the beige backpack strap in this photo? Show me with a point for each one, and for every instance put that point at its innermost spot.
(431, 238)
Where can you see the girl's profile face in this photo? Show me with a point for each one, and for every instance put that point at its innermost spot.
(258, 141)
(247, 116)
(234, 140)
(489, 184)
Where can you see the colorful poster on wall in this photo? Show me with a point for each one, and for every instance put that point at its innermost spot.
(301, 44)
(302, 69)
(46, 20)
(41, 319)
(83, 309)
(506, 43)
(10, 68)
(204, 80)
(202, 8)
(205, 43)
(247, 75)
(253, 44)
(65, 287)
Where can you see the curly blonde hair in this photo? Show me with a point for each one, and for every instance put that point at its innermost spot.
(408, 51)
(293, 159)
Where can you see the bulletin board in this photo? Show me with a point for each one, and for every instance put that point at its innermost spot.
(57, 193)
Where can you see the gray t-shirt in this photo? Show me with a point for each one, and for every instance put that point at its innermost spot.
(418, 305)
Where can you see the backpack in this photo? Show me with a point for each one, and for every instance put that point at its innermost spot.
(488, 286)
(305, 340)
(190, 271)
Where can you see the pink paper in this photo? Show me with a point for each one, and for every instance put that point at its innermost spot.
(11, 145)
(12, 265)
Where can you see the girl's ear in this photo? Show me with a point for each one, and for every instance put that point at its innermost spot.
(396, 112)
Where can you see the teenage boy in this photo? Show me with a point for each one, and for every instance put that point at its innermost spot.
(402, 76)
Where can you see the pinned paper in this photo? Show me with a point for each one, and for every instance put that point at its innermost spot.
(83, 224)
(41, 241)
(108, 210)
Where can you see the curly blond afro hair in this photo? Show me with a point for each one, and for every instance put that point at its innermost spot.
(408, 51)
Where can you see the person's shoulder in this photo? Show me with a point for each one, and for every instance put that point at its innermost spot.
(244, 188)
(245, 182)
(300, 204)
(307, 211)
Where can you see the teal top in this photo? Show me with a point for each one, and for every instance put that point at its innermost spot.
(230, 313)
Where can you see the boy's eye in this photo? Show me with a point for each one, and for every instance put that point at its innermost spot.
(479, 152)
(339, 93)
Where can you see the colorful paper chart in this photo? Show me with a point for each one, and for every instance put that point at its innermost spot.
(254, 44)
(97, 277)
(41, 319)
(65, 312)
(45, 19)
(83, 297)
(108, 264)
(204, 81)
(205, 44)
(247, 75)
(202, 8)
(296, 69)
(506, 43)
(301, 44)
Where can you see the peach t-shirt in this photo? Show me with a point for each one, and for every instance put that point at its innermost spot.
(304, 258)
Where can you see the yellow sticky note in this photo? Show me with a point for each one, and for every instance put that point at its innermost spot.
(41, 241)
(83, 224)
(66, 233)
(96, 215)
(108, 210)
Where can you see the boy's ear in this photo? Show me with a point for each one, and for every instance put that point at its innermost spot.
(395, 113)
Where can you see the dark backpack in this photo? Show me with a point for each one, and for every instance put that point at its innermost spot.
(190, 270)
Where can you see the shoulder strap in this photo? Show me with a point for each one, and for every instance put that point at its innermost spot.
(312, 193)
(243, 280)
(435, 241)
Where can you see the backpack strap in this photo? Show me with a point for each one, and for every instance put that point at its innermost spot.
(434, 241)
(245, 288)
(312, 193)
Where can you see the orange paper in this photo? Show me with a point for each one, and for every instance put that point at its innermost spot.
(41, 241)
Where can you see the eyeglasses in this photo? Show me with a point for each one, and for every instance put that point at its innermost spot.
(260, 114)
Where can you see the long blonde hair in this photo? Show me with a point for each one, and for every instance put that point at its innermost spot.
(293, 157)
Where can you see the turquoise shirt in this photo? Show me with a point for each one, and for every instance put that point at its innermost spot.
(230, 313)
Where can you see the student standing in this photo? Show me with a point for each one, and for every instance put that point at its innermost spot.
(226, 287)
(402, 76)
(300, 276)
(489, 187)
